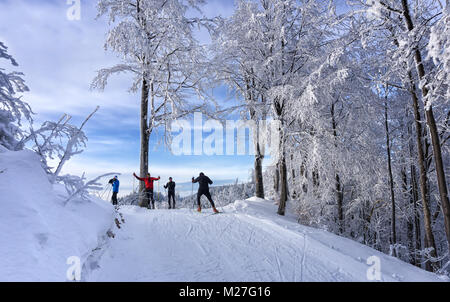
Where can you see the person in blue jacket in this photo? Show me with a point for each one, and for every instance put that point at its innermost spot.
(115, 187)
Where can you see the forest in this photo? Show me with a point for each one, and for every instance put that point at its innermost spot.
(359, 88)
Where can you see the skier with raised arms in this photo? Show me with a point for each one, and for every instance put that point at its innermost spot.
(148, 194)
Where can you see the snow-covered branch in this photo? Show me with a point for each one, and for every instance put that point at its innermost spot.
(78, 187)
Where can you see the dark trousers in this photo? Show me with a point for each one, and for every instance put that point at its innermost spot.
(172, 197)
(148, 194)
(114, 198)
(208, 195)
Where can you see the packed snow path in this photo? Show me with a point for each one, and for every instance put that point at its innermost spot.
(246, 243)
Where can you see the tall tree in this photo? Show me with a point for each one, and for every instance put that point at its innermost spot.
(156, 40)
(431, 122)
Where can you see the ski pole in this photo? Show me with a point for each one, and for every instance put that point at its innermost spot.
(109, 193)
(102, 195)
(192, 196)
(158, 196)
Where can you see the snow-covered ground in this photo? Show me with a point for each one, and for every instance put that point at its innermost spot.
(37, 232)
(246, 243)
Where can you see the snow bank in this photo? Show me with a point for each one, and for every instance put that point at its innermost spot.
(37, 232)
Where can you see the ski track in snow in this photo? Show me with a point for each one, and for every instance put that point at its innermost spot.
(247, 243)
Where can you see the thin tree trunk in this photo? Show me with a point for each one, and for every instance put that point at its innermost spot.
(338, 185)
(144, 140)
(284, 188)
(391, 179)
(294, 176)
(282, 167)
(259, 184)
(276, 181)
(437, 152)
(414, 197)
(407, 190)
(417, 229)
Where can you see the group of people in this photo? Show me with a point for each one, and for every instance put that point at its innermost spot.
(203, 181)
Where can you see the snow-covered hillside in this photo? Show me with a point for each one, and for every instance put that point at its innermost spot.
(37, 232)
(246, 243)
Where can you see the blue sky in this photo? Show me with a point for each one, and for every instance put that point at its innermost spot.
(60, 58)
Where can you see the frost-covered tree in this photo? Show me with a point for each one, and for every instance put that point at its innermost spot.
(237, 49)
(409, 24)
(269, 52)
(12, 108)
(155, 41)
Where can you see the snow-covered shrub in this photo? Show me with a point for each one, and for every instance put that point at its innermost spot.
(12, 108)
(78, 187)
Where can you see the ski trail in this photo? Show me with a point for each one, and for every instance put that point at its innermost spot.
(303, 261)
(247, 243)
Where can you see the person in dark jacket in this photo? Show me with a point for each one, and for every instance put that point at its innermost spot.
(115, 188)
(170, 186)
(148, 188)
(203, 189)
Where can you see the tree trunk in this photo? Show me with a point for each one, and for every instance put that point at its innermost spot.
(259, 184)
(429, 237)
(417, 229)
(338, 186)
(259, 156)
(391, 179)
(294, 176)
(284, 188)
(276, 181)
(414, 197)
(144, 140)
(409, 220)
(439, 166)
(437, 152)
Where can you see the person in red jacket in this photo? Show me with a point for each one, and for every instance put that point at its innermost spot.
(148, 194)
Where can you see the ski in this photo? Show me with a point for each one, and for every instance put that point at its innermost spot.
(212, 214)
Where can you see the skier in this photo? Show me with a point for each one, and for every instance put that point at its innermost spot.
(203, 189)
(148, 188)
(115, 184)
(171, 192)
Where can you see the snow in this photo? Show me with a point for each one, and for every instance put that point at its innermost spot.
(248, 243)
(39, 233)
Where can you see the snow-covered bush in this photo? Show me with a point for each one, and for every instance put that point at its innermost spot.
(78, 186)
(12, 108)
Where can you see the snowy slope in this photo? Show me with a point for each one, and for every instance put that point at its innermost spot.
(247, 243)
(37, 232)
